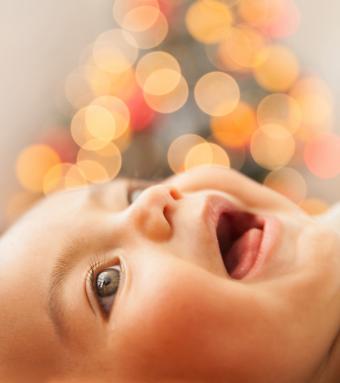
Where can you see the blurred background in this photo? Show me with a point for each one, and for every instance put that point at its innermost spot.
(147, 88)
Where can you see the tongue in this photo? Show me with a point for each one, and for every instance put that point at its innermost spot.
(242, 255)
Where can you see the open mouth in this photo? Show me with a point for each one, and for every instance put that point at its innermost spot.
(239, 235)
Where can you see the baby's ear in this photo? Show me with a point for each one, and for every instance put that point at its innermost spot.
(331, 217)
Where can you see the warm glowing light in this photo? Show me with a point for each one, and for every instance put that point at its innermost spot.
(288, 182)
(152, 63)
(278, 70)
(107, 118)
(119, 114)
(154, 35)
(272, 146)
(63, 176)
(93, 171)
(162, 81)
(256, 12)
(206, 154)
(314, 206)
(100, 123)
(322, 155)
(221, 59)
(280, 109)
(209, 21)
(217, 93)
(108, 162)
(81, 134)
(316, 103)
(115, 51)
(242, 47)
(32, 165)
(170, 102)
(136, 15)
(236, 128)
(179, 148)
(275, 18)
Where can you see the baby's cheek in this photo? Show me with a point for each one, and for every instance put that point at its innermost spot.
(171, 316)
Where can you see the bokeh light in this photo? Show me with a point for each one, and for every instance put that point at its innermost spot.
(153, 62)
(209, 21)
(168, 102)
(288, 182)
(108, 160)
(314, 206)
(136, 15)
(243, 47)
(119, 113)
(322, 155)
(63, 176)
(154, 35)
(33, 164)
(235, 129)
(316, 104)
(272, 146)
(275, 18)
(217, 93)
(81, 133)
(280, 109)
(179, 149)
(278, 68)
(100, 123)
(173, 72)
(206, 154)
(115, 51)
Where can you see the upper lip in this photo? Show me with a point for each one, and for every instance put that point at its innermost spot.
(216, 205)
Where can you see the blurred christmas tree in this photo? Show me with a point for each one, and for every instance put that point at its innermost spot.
(176, 84)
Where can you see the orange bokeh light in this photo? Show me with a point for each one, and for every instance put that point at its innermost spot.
(236, 128)
(316, 104)
(115, 51)
(217, 93)
(242, 46)
(206, 153)
(314, 206)
(288, 182)
(278, 70)
(179, 148)
(280, 109)
(33, 164)
(209, 21)
(272, 146)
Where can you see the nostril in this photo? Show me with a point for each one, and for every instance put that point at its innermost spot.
(175, 194)
(166, 213)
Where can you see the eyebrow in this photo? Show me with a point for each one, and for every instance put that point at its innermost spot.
(65, 262)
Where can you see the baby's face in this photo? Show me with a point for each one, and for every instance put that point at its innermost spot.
(206, 277)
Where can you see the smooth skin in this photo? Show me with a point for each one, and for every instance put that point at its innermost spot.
(177, 315)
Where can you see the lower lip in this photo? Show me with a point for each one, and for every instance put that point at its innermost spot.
(271, 230)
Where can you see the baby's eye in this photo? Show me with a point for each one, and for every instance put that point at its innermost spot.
(106, 287)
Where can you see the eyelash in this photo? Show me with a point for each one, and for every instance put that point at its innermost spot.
(96, 264)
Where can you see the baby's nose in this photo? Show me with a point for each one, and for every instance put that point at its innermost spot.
(151, 213)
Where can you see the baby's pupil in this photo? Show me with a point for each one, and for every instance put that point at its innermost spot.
(107, 282)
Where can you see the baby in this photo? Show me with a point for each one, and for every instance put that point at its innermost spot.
(204, 277)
